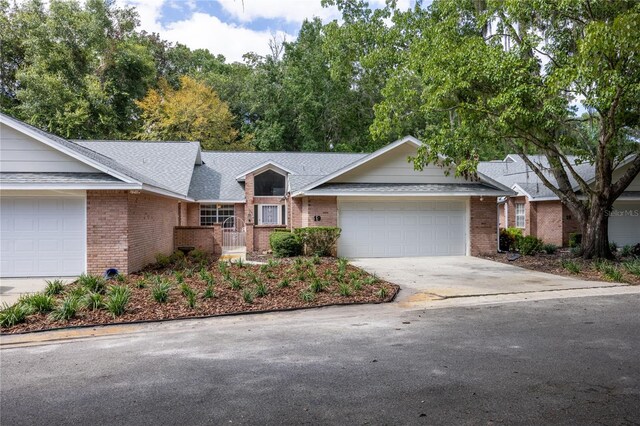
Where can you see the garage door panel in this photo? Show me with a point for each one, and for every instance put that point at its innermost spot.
(624, 223)
(42, 236)
(404, 228)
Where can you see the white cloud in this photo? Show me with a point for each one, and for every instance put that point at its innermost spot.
(203, 31)
(288, 10)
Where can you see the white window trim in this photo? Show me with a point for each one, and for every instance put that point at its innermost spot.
(217, 209)
(522, 215)
(279, 215)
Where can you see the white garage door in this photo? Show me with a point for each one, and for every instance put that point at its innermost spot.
(42, 236)
(624, 223)
(402, 228)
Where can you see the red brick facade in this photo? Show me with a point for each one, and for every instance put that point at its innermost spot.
(483, 225)
(550, 221)
(206, 238)
(127, 230)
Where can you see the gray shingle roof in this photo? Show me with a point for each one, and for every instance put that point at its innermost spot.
(399, 188)
(216, 178)
(514, 172)
(89, 153)
(170, 164)
(56, 177)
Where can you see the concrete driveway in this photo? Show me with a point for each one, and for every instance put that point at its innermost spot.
(441, 277)
(12, 288)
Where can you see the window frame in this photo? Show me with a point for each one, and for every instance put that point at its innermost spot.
(281, 214)
(217, 217)
(284, 176)
(520, 215)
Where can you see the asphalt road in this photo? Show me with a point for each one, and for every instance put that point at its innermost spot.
(567, 361)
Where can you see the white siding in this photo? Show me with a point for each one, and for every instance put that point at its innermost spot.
(393, 167)
(633, 186)
(22, 153)
(624, 223)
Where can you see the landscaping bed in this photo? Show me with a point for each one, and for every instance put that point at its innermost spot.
(186, 287)
(623, 269)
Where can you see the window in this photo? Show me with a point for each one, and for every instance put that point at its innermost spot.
(215, 213)
(268, 184)
(519, 215)
(271, 214)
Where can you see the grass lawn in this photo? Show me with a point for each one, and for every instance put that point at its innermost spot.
(183, 287)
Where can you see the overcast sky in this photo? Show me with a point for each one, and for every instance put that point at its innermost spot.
(232, 27)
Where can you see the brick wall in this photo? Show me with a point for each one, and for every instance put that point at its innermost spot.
(151, 222)
(324, 207)
(107, 231)
(182, 214)
(206, 238)
(549, 222)
(261, 237)
(295, 213)
(483, 226)
(570, 225)
(193, 215)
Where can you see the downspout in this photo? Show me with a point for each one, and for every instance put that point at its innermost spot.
(506, 210)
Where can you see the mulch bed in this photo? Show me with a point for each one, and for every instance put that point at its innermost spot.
(142, 306)
(552, 264)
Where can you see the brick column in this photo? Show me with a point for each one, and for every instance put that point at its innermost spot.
(483, 223)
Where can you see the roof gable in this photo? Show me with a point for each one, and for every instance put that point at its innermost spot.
(267, 165)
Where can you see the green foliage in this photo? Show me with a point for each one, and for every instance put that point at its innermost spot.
(382, 292)
(318, 241)
(93, 283)
(344, 289)
(571, 266)
(317, 285)
(285, 244)
(284, 283)
(627, 251)
(549, 248)
(162, 260)
(575, 240)
(356, 284)
(247, 295)
(94, 301)
(38, 302)
(209, 292)
(160, 291)
(529, 245)
(141, 283)
(633, 266)
(261, 289)
(54, 287)
(509, 238)
(67, 309)
(235, 283)
(190, 295)
(179, 276)
(307, 296)
(199, 255)
(12, 315)
(117, 299)
(610, 271)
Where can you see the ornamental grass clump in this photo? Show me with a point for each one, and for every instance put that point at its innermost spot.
(633, 266)
(160, 291)
(344, 290)
(307, 296)
(13, 315)
(38, 302)
(261, 290)
(67, 308)
(92, 283)
(117, 300)
(209, 292)
(382, 292)
(247, 295)
(94, 301)
(54, 287)
(571, 266)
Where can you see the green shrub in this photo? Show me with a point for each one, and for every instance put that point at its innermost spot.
(235, 283)
(633, 266)
(117, 300)
(141, 283)
(191, 296)
(284, 283)
(285, 244)
(247, 295)
(38, 302)
(549, 248)
(67, 309)
(319, 240)
(317, 285)
(576, 251)
(198, 255)
(14, 314)
(209, 292)
(627, 251)
(240, 263)
(571, 266)
(92, 283)
(601, 265)
(261, 289)
(94, 301)
(307, 296)
(612, 273)
(509, 237)
(204, 275)
(344, 290)
(613, 247)
(575, 239)
(79, 292)
(179, 276)
(163, 260)
(529, 245)
(160, 291)
(54, 287)
(382, 292)
(357, 285)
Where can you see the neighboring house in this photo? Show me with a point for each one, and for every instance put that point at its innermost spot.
(72, 207)
(538, 211)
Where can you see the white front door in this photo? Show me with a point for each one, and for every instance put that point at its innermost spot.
(42, 236)
(624, 223)
(402, 228)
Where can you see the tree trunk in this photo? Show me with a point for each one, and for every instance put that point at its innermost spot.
(595, 232)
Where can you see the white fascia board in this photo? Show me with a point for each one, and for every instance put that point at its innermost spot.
(69, 186)
(265, 165)
(373, 155)
(53, 144)
(401, 194)
(221, 201)
(486, 179)
(164, 192)
(520, 192)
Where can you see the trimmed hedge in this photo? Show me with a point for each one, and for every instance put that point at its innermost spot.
(320, 240)
(285, 244)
